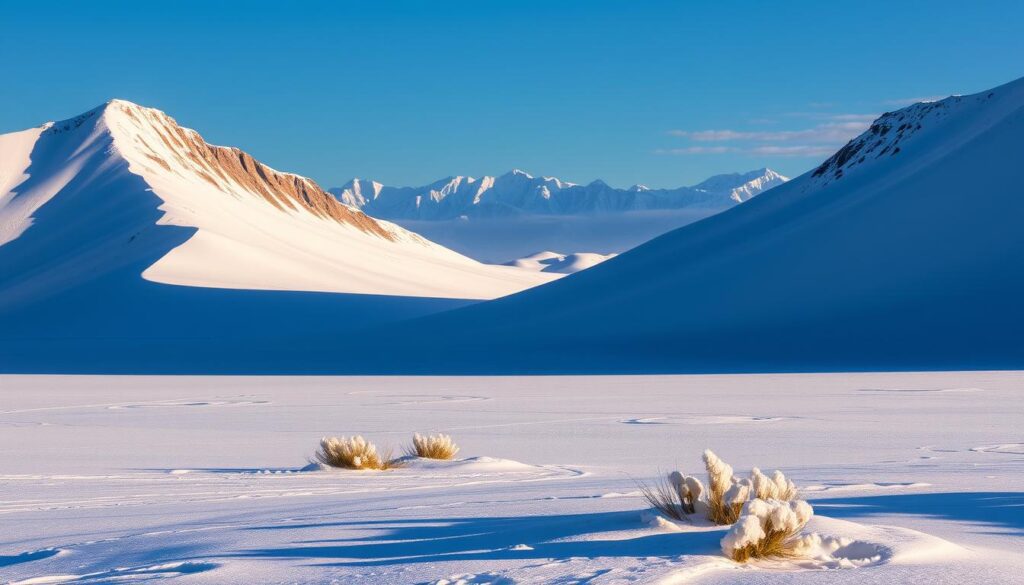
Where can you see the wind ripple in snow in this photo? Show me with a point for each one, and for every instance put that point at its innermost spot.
(145, 573)
(1005, 448)
(701, 420)
(919, 390)
(176, 403)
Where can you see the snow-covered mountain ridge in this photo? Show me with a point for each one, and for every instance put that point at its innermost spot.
(125, 188)
(903, 250)
(518, 192)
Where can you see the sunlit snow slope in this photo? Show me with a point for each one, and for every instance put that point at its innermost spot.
(904, 249)
(251, 227)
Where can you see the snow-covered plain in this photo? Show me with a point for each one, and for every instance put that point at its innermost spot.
(114, 479)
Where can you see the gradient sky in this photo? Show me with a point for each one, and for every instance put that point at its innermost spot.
(660, 93)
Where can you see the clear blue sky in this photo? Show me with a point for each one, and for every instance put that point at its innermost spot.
(661, 93)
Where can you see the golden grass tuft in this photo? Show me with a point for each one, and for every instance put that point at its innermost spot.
(353, 453)
(665, 498)
(438, 446)
(725, 496)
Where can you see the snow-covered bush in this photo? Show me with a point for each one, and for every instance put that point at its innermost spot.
(438, 446)
(768, 528)
(676, 497)
(352, 453)
(776, 487)
(726, 494)
(723, 500)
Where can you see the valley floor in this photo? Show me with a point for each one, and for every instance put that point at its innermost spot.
(198, 480)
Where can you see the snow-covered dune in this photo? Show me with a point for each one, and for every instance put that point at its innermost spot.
(904, 249)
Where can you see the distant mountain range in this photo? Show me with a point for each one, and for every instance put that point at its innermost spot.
(519, 193)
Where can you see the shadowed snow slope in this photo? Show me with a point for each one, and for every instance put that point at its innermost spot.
(102, 213)
(903, 250)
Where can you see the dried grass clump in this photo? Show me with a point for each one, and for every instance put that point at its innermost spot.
(767, 529)
(727, 493)
(438, 446)
(675, 497)
(725, 496)
(353, 453)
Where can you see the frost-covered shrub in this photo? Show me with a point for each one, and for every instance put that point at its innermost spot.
(768, 528)
(352, 453)
(726, 494)
(676, 497)
(438, 446)
(722, 502)
(776, 487)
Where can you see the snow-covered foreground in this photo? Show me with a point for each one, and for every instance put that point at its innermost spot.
(197, 479)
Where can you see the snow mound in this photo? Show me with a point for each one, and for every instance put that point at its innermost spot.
(832, 552)
(560, 263)
(472, 465)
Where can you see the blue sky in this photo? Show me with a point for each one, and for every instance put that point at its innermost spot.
(660, 93)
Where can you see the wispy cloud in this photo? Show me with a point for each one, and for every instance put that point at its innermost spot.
(830, 132)
(798, 150)
(696, 150)
(821, 139)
